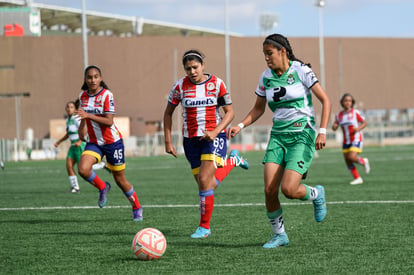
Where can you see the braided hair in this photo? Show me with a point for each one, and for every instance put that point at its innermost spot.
(279, 41)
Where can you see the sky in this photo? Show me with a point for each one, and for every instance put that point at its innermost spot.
(297, 18)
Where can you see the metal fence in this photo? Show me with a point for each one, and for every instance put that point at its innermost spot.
(251, 138)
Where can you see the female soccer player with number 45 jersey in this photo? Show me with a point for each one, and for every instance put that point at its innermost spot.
(287, 86)
(205, 143)
(97, 109)
(351, 122)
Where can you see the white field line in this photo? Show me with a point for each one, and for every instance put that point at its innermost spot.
(196, 205)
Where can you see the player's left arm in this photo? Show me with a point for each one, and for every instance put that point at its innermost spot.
(362, 123)
(326, 112)
(224, 101)
(226, 120)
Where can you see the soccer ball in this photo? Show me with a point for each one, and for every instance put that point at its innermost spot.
(149, 244)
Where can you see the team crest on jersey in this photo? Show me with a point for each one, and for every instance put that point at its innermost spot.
(210, 86)
(291, 79)
(211, 89)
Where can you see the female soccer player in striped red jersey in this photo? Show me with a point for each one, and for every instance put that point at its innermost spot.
(97, 109)
(205, 143)
(352, 122)
(77, 146)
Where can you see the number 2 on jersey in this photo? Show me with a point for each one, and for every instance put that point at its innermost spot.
(278, 93)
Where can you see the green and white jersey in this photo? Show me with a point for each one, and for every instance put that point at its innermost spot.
(72, 126)
(289, 97)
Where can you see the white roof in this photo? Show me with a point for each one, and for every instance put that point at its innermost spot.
(99, 22)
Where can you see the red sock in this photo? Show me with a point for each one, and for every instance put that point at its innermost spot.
(354, 171)
(133, 199)
(96, 181)
(206, 207)
(361, 161)
(222, 172)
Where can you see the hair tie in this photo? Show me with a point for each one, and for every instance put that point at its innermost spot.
(274, 43)
(194, 54)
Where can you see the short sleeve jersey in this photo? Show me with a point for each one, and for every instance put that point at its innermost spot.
(200, 103)
(349, 121)
(72, 126)
(289, 97)
(100, 104)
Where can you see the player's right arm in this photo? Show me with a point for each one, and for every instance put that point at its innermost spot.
(82, 131)
(60, 140)
(335, 125)
(169, 147)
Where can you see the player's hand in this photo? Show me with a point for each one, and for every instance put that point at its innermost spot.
(320, 141)
(233, 131)
(169, 149)
(209, 135)
(82, 114)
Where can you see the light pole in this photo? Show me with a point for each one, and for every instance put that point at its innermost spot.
(227, 44)
(268, 21)
(320, 4)
(84, 35)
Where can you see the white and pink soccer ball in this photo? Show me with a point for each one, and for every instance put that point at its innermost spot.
(149, 244)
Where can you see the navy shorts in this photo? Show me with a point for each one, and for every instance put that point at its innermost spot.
(197, 150)
(113, 152)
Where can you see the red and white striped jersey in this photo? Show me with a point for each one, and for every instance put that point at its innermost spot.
(349, 121)
(100, 104)
(200, 103)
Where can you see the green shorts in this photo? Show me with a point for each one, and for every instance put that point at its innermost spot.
(76, 152)
(292, 150)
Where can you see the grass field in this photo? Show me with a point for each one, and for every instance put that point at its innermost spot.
(368, 230)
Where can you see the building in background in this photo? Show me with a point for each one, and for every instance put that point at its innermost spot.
(140, 66)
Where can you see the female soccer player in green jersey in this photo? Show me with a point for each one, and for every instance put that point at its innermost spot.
(287, 86)
(77, 146)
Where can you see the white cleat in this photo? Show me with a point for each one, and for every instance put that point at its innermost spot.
(367, 168)
(356, 181)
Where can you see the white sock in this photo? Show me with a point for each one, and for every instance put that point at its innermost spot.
(74, 182)
(277, 224)
(313, 193)
(98, 166)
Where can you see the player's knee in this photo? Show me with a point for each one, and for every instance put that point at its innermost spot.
(288, 191)
(83, 171)
(271, 191)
